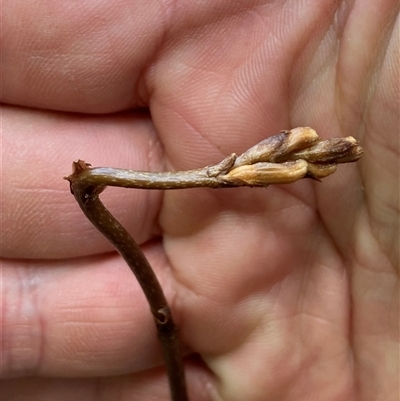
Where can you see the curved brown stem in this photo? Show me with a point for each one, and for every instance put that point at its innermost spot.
(87, 196)
(281, 159)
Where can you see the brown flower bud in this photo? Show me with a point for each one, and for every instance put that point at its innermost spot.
(336, 150)
(262, 174)
(277, 148)
(318, 171)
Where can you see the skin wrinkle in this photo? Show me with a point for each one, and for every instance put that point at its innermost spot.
(41, 320)
(27, 304)
(371, 201)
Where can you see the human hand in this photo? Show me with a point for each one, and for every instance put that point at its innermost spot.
(289, 293)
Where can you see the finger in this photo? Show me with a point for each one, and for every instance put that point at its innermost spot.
(92, 57)
(78, 317)
(84, 58)
(40, 218)
(369, 82)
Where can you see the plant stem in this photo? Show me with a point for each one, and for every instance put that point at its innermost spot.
(88, 199)
(280, 159)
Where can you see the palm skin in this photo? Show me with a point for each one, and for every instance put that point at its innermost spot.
(289, 293)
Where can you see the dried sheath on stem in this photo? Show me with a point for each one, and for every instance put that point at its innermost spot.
(280, 159)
